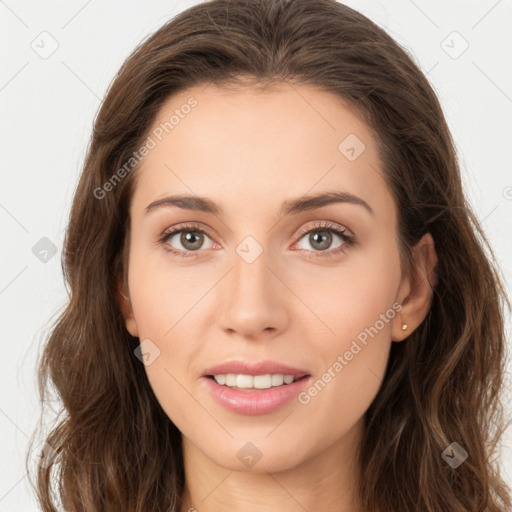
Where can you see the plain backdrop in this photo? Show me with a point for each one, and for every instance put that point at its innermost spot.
(56, 62)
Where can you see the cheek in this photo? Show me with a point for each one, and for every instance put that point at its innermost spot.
(352, 368)
(162, 292)
(355, 296)
(359, 306)
(168, 310)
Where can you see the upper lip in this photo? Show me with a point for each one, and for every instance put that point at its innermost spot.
(254, 368)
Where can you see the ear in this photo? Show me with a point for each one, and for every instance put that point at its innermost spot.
(126, 309)
(416, 291)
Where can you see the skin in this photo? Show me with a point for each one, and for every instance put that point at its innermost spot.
(249, 151)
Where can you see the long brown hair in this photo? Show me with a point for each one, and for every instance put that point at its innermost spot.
(115, 447)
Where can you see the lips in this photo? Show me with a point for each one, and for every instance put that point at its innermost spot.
(254, 402)
(255, 368)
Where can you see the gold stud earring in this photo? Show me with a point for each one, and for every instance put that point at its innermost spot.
(404, 327)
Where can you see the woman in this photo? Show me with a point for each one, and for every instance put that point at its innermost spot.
(279, 296)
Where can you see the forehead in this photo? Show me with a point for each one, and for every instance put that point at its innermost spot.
(248, 145)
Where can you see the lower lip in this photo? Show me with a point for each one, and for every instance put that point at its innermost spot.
(255, 401)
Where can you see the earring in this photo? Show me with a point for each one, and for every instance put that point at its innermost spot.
(404, 327)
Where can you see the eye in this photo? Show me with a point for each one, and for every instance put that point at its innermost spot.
(190, 236)
(321, 236)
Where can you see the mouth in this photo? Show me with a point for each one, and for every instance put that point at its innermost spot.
(257, 394)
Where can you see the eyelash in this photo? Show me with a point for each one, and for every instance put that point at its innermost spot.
(348, 240)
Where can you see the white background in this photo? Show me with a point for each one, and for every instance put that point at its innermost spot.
(47, 109)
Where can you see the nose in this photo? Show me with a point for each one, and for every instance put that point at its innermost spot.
(253, 300)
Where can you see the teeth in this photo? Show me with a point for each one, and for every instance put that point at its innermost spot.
(233, 380)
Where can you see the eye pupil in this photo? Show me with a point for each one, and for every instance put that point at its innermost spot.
(325, 239)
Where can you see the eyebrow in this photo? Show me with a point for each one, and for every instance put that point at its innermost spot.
(289, 207)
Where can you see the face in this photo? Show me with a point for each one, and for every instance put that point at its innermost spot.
(261, 274)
